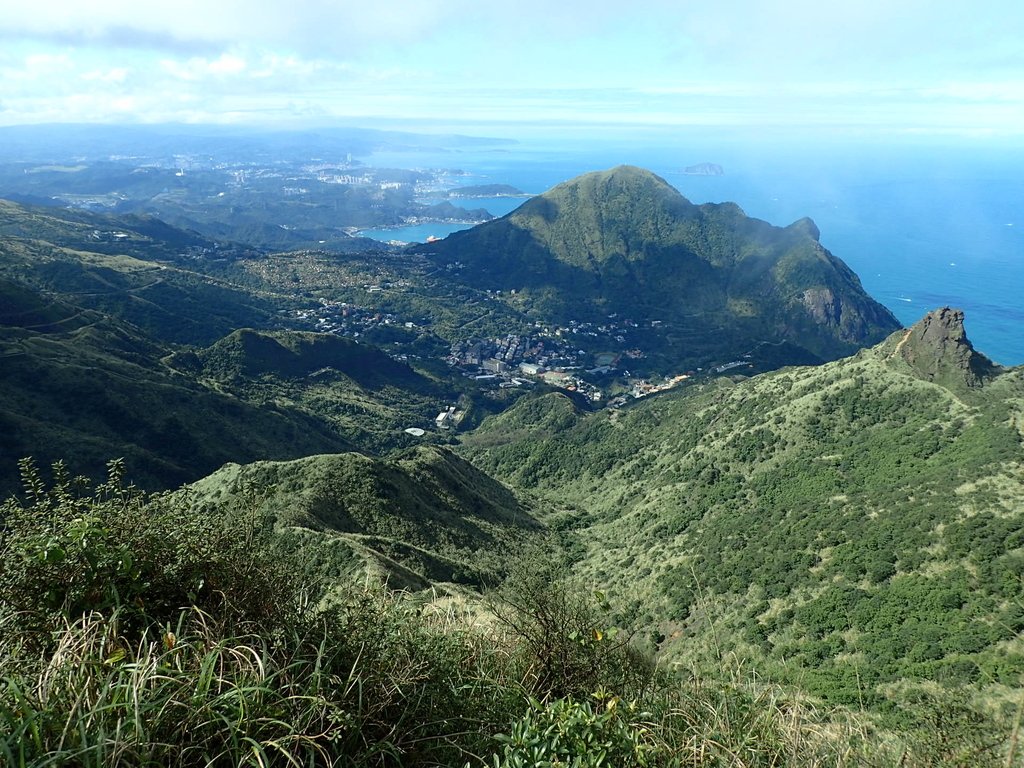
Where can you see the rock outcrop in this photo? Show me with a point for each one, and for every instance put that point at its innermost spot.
(938, 350)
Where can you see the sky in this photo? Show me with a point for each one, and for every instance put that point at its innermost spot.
(905, 66)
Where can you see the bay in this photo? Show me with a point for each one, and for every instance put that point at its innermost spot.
(414, 233)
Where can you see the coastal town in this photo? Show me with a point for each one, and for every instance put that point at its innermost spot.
(547, 355)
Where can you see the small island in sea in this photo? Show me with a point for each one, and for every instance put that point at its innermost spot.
(704, 169)
(487, 190)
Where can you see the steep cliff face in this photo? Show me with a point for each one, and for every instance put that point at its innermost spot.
(846, 318)
(938, 350)
(624, 241)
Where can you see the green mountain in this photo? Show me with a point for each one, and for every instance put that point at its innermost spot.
(850, 528)
(353, 389)
(89, 392)
(419, 519)
(625, 242)
(250, 354)
(143, 237)
(86, 387)
(134, 268)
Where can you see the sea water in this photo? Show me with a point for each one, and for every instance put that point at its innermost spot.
(923, 224)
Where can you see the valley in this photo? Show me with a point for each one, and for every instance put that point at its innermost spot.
(807, 506)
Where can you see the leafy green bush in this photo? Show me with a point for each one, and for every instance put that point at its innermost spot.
(951, 732)
(135, 630)
(69, 552)
(571, 734)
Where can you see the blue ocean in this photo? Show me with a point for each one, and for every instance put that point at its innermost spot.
(924, 224)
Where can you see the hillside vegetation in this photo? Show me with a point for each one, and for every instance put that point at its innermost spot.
(116, 340)
(424, 518)
(354, 390)
(145, 631)
(136, 269)
(100, 390)
(849, 528)
(817, 566)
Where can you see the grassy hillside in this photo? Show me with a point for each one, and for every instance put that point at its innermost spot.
(100, 391)
(104, 389)
(354, 389)
(249, 354)
(138, 236)
(94, 314)
(136, 269)
(422, 518)
(849, 527)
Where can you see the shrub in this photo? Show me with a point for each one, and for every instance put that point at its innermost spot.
(567, 635)
(572, 734)
(949, 731)
(67, 552)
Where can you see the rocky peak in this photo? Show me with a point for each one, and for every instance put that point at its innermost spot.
(938, 349)
(806, 226)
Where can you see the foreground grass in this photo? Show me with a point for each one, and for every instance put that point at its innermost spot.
(404, 692)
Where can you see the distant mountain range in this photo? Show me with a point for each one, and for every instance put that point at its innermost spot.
(277, 191)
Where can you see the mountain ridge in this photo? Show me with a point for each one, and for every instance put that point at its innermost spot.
(422, 517)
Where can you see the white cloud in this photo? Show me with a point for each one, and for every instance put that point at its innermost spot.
(226, 65)
(115, 75)
(273, 65)
(302, 25)
(39, 64)
(998, 92)
(198, 68)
